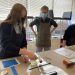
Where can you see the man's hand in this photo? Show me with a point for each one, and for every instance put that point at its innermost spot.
(34, 32)
(53, 29)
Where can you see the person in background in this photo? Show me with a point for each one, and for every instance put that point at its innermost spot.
(69, 36)
(43, 34)
(13, 36)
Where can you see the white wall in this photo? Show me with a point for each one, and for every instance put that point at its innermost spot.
(35, 5)
(61, 6)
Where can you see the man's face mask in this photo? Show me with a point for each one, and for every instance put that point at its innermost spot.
(44, 15)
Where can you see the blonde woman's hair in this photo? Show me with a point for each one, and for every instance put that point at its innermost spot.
(15, 14)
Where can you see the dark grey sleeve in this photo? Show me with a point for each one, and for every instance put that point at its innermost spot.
(52, 22)
(66, 34)
(33, 23)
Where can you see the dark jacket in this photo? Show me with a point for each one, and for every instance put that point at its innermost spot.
(69, 35)
(10, 41)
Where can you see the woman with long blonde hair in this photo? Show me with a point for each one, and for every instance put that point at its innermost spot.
(13, 36)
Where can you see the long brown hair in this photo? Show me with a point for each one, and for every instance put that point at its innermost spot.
(15, 14)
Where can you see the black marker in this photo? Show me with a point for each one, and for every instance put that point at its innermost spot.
(54, 73)
(39, 66)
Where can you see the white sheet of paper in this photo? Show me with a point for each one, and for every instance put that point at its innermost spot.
(50, 68)
(73, 60)
(65, 52)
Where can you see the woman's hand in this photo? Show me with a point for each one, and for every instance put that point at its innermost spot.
(28, 53)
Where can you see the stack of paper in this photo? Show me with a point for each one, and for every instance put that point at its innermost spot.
(71, 47)
(66, 52)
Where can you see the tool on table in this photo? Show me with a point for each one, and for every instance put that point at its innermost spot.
(39, 66)
(68, 63)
